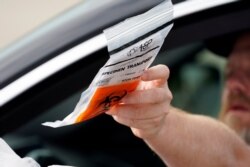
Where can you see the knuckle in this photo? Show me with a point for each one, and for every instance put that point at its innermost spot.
(160, 95)
(169, 95)
(138, 112)
(156, 122)
(139, 97)
(133, 122)
(134, 98)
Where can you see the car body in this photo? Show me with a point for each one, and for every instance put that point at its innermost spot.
(43, 74)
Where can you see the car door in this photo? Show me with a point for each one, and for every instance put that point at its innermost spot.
(43, 75)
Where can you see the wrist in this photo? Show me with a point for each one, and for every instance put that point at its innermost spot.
(164, 143)
(162, 133)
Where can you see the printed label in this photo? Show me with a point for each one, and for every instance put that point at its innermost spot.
(121, 75)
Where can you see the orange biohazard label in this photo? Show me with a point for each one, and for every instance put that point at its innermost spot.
(132, 45)
(105, 97)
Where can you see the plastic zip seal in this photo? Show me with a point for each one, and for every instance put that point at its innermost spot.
(133, 46)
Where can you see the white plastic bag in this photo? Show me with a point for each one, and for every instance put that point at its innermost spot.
(133, 46)
(8, 158)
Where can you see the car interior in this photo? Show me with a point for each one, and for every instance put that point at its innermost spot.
(196, 79)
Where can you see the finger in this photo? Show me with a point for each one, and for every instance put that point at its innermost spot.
(149, 96)
(139, 112)
(159, 72)
(140, 124)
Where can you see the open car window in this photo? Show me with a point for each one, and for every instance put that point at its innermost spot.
(196, 79)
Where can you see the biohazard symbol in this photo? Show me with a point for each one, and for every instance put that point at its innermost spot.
(112, 99)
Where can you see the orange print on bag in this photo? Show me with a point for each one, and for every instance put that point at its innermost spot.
(105, 97)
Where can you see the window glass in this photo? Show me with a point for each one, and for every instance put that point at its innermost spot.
(195, 81)
(195, 78)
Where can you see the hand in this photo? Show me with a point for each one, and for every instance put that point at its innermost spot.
(145, 109)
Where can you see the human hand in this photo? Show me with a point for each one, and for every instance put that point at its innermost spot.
(145, 109)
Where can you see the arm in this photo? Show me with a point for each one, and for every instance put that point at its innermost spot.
(194, 140)
(179, 138)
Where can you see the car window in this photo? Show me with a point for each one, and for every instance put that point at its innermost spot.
(196, 80)
(196, 83)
